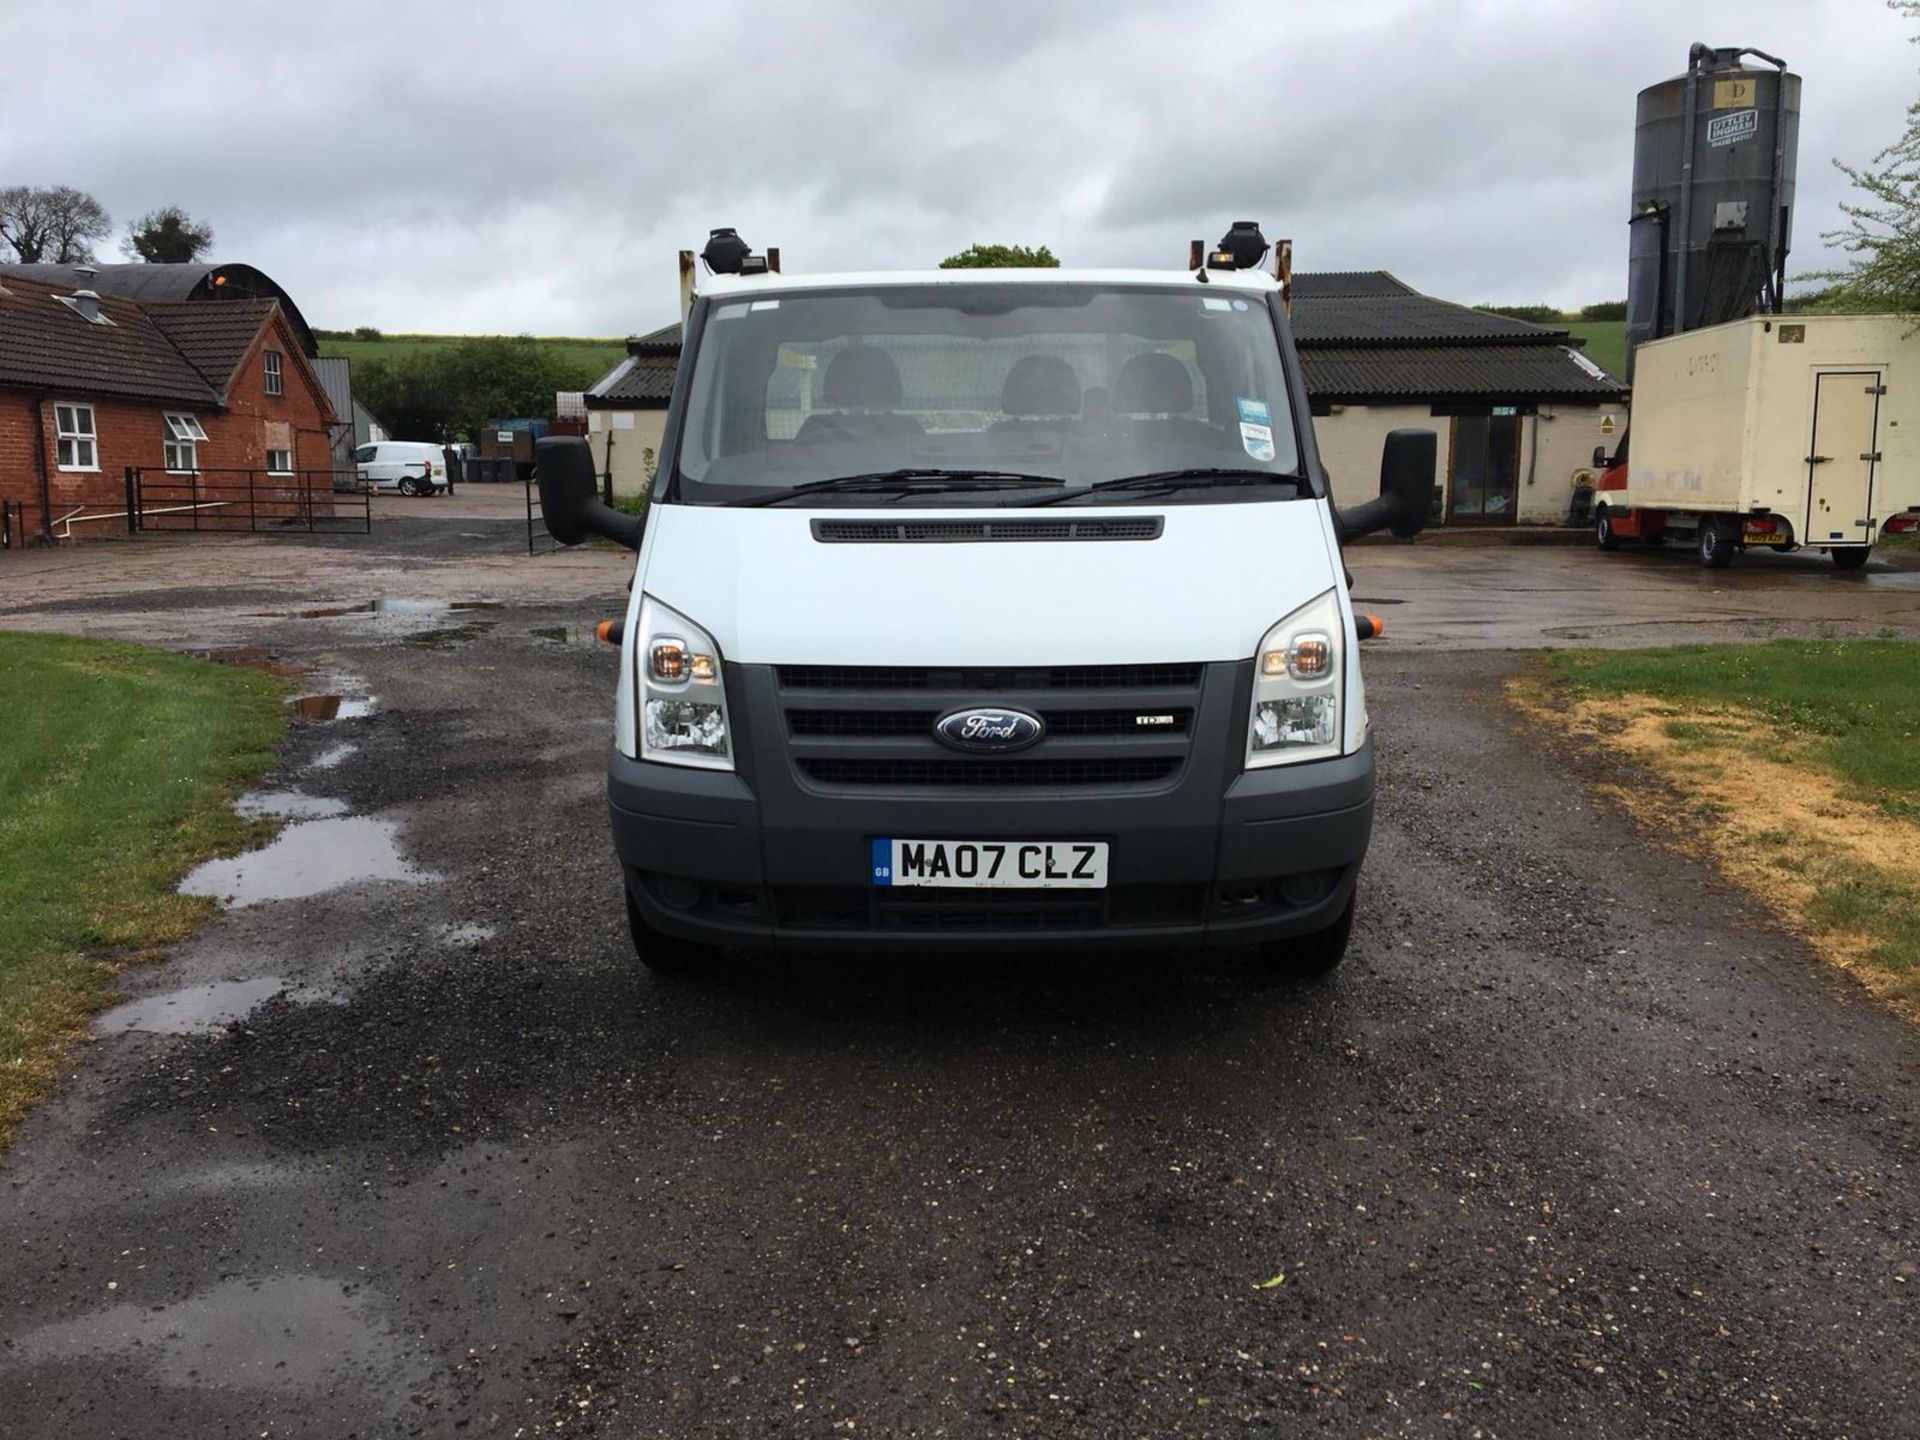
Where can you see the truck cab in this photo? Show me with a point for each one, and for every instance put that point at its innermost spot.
(990, 608)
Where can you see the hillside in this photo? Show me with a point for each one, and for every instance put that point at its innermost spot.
(598, 356)
(1606, 343)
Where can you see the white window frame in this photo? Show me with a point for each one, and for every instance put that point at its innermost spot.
(180, 446)
(284, 468)
(276, 379)
(72, 440)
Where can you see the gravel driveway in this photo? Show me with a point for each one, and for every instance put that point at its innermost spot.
(1574, 1144)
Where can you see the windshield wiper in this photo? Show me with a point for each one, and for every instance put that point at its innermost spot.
(904, 482)
(1190, 478)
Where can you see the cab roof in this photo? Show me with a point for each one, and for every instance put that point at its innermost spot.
(717, 286)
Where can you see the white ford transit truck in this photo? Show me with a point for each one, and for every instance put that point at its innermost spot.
(990, 608)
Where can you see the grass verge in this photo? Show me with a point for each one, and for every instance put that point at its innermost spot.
(118, 766)
(1794, 765)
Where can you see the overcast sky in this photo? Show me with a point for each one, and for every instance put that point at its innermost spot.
(502, 168)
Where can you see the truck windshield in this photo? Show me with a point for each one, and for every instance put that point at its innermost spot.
(928, 393)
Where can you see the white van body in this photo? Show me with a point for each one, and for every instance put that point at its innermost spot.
(1026, 681)
(408, 466)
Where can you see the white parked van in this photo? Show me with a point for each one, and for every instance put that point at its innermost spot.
(990, 608)
(413, 467)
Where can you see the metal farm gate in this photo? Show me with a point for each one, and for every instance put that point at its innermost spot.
(260, 502)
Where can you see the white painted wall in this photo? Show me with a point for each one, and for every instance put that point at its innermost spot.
(1351, 443)
(631, 434)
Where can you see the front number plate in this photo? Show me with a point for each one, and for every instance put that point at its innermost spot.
(992, 864)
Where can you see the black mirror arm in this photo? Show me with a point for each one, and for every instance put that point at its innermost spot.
(569, 499)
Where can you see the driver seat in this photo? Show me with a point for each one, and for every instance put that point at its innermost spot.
(861, 393)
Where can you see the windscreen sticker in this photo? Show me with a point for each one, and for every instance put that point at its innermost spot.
(1258, 440)
(1210, 303)
(1253, 412)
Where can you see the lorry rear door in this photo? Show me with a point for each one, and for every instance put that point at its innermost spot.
(1842, 458)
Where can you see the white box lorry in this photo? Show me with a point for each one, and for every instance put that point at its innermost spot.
(979, 609)
(1777, 430)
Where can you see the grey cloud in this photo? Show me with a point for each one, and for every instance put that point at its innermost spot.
(493, 167)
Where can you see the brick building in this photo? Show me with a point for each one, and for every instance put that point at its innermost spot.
(92, 384)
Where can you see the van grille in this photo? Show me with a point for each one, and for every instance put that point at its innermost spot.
(871, 727)
(920, 722)
(948, 532)
(1135, 770)
(988, 680)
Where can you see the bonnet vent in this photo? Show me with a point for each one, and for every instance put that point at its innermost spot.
(952, 532)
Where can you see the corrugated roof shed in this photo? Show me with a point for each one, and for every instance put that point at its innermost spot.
(46, 345)
(639, 380)
(1503, 374)
(1407, 320)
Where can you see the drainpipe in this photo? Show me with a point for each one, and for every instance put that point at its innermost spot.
(40, 463)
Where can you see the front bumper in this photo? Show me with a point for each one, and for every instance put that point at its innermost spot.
(1268, 854)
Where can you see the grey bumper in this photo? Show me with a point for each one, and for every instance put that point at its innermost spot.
(1218, 858)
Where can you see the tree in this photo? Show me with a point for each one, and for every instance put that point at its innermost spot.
(1536, 314)
(1882, 230)
(447, 391)
(1001, 257)
(56, 224)
(1604, 310)
(167, 236)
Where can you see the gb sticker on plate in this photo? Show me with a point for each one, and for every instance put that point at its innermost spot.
(1256, 427)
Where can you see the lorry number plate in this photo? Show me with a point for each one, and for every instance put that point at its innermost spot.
(992, 864)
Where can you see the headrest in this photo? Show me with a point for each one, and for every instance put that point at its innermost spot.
(1153, 383)
(1040, 385)
(861, 377)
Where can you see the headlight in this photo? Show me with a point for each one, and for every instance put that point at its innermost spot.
(683, 704)
(1296, 687)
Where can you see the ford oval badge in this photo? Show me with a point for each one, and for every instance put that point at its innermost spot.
(989, 727)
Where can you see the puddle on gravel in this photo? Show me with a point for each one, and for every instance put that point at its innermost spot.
(193, 1010)
(289, 1332)
(447, 636)
(397, 607)
(308, 858)
(331, 756)
(332, 706)
(582, 635)
(287, 805)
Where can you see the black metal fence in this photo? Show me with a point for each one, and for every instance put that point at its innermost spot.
(540, 540)
(259, 502)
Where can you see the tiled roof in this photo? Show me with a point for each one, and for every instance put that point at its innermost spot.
(1355, 374)
(214, 337)
(199, 280)
(46, 345)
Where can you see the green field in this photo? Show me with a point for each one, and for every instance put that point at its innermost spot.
(598, 356)
(117, 768)
(1606, 343)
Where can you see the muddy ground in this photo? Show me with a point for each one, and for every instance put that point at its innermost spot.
(1575, 1143)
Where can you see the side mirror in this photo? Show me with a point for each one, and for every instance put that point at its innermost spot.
(1599, 457)
(569, 499)
(1406, 489)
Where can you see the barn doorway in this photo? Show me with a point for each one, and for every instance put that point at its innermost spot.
(1483, 469)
